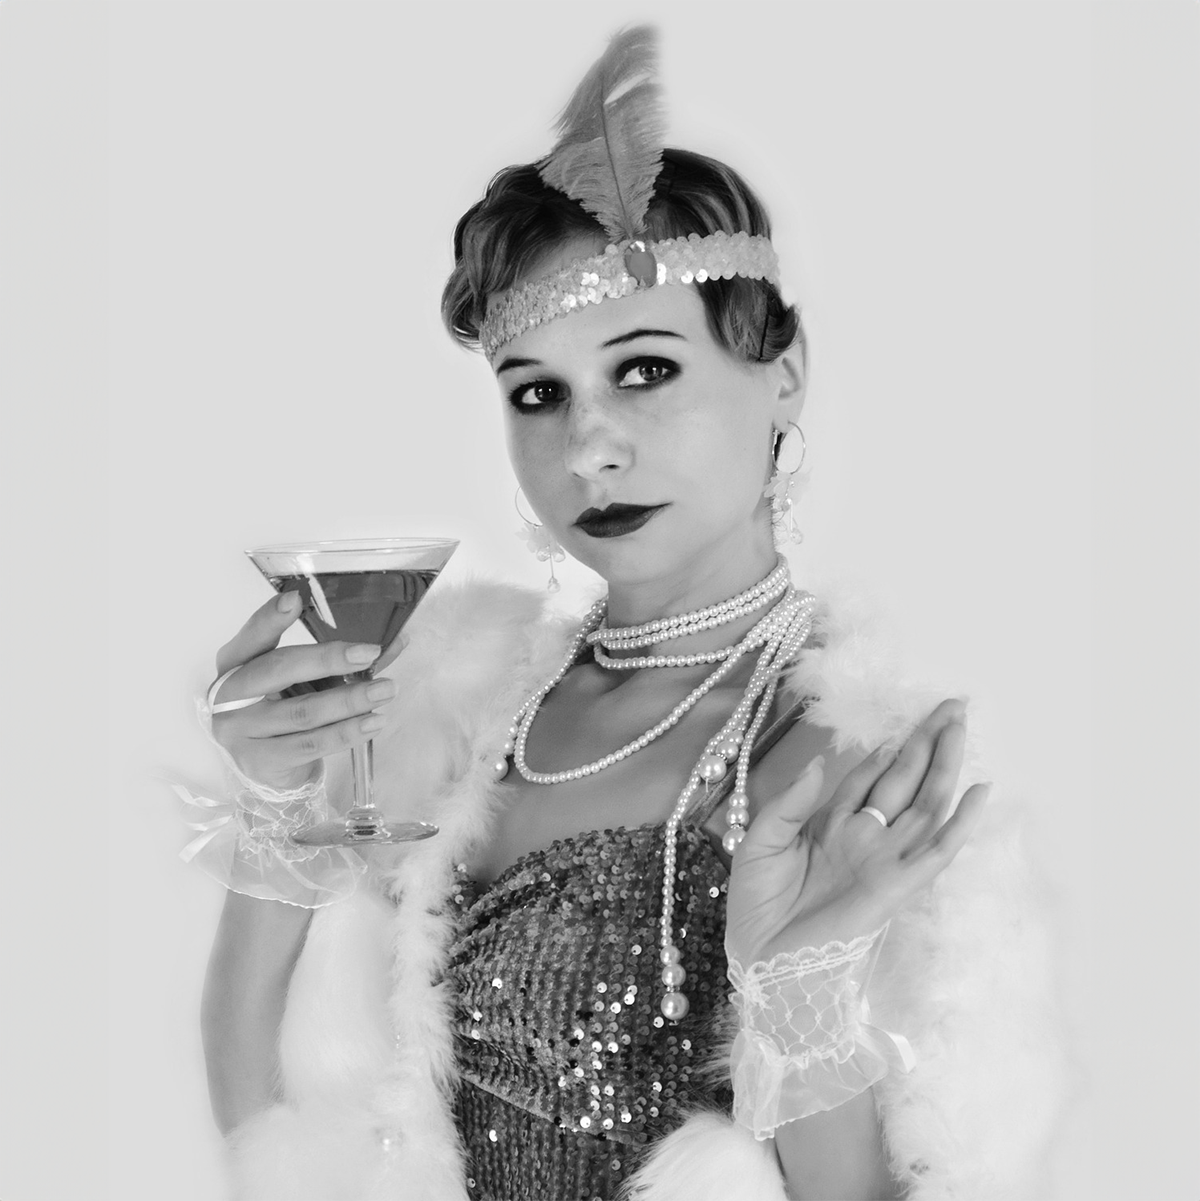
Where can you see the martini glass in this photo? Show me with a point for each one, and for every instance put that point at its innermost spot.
(362, 590)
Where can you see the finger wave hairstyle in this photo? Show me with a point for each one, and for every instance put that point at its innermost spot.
(501, 239)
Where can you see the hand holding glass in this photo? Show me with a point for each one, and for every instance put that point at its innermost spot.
(362, 590)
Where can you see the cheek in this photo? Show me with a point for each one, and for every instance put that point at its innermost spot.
(732, 460)
(531, 452)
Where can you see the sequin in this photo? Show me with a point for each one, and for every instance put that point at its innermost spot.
(562, 1084)
(604, 276)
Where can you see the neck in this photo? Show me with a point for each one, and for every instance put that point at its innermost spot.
(722, 571)
(718, 578)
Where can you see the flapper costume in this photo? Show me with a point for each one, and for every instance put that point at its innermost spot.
(568, 1068)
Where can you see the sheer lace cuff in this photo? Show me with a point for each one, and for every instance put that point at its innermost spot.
(805, 1043)
(245, 843)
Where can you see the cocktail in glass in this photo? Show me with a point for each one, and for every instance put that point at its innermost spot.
(360, 590)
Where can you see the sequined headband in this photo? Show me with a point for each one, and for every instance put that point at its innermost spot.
(622, 271)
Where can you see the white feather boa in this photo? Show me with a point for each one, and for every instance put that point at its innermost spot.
(366, 1047)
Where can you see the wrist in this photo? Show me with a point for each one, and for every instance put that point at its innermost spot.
(246, 843)
(835, 923)
(805, 1044)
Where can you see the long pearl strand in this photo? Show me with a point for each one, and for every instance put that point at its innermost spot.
(781, 633)
(737, 735)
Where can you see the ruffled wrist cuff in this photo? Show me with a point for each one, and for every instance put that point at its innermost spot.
(806, 1043)
(245, 843)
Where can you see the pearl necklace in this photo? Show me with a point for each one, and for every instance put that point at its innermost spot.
(758, 636)
(681, 624)
(781, 634)
(636, 662)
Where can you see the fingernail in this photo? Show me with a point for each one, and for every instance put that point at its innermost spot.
(362, 652)
(369, 725)
(288, 602)
(381, 690)
(816, 765)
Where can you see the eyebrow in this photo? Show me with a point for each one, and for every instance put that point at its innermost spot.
(633, 334)
(510, 364)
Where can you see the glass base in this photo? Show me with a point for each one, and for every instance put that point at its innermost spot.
(359, 826)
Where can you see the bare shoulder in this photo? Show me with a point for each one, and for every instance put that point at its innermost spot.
(780, 767)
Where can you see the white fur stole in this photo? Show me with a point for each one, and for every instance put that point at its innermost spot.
(366, 1046)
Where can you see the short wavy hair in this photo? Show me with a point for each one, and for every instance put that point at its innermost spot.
(520, 219)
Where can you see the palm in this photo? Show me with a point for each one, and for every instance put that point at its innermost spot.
(842, 874)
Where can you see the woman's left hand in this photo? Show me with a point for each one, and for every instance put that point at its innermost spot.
(802, 879)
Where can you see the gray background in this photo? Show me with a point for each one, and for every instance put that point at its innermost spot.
(224, 231)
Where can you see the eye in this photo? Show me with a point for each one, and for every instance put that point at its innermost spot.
(645, 373)
(537, 394)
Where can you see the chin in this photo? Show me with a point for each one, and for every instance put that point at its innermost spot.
(622, 561)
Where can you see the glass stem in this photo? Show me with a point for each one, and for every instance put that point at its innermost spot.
(362, 760)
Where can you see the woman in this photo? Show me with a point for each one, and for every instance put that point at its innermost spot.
(534, 1003)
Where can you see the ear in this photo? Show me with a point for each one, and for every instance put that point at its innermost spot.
(793, 385)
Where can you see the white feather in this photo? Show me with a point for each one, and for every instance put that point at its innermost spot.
(708, 1158)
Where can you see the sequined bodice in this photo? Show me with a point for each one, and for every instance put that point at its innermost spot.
(568, 1067)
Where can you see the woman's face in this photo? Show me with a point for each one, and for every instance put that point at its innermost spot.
(632, 402)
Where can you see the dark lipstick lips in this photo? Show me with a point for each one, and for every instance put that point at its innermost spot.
(615, 520)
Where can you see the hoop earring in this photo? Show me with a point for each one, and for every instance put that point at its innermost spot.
(540, 541)
(779, 488)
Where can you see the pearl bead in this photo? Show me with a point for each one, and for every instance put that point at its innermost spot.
(732, 839)
(500, 769)
(670, 954)
(674, 1006)
(736, 818)
(712, 768)
(673, 975)
(728, 749)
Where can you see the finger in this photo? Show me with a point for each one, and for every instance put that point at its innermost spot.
(274, 670)
(935, 798)
(941, 847)
(311, 710)
(295, 750)
(898, 786)
(779, 820)
(392, 652)
(856, 786)
(261, 633)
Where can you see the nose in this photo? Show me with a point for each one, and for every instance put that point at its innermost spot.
(597, 443)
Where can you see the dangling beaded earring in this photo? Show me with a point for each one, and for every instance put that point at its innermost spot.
(541, 543)
(788, 445)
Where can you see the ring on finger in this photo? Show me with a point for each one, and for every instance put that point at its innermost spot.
(210, 701)
(875, 813)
